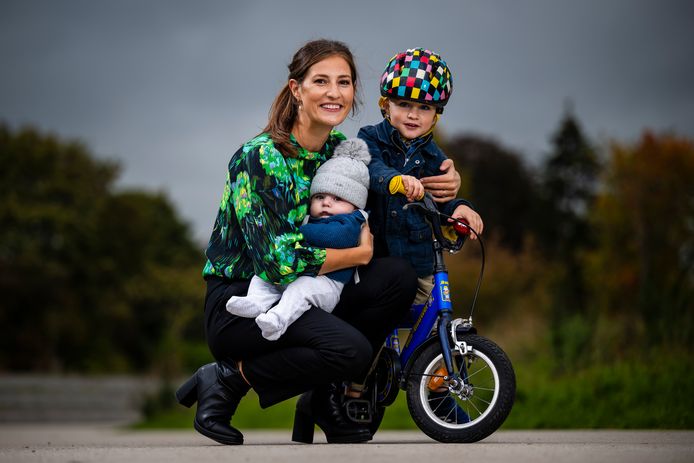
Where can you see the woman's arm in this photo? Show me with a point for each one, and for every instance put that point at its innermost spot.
(267, 217)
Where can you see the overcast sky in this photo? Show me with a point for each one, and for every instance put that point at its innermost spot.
(172, 88)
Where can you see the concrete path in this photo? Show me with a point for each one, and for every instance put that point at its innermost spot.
(104, 444)
(58, 399)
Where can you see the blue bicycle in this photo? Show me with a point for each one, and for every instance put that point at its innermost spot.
(460, 386)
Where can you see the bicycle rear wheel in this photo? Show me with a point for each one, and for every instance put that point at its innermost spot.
(468, 411)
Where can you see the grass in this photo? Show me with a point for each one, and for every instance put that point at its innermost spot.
(655, 392)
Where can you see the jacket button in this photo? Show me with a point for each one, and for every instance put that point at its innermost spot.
(380, 179)
(393, 213)
(417, 161)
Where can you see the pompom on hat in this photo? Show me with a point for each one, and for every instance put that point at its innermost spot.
(345, 174)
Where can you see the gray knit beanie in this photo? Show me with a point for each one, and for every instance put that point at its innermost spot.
(345, 174)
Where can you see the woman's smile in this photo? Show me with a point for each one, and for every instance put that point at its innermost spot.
(331, 106)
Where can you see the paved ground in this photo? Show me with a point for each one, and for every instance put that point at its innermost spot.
(50, 398)
(73, 443)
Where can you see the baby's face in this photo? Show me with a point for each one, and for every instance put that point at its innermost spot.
(411, 119)
(325, 205)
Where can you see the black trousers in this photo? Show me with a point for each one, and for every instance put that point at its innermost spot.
(319, 347)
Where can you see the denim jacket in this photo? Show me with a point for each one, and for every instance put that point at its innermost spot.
(336, 231)
(399, 232)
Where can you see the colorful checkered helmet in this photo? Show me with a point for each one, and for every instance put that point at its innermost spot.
(418, 75)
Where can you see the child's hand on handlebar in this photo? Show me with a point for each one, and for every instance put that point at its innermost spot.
(414, 190)
(468, 215)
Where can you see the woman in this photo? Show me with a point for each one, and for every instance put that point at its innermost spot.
(256, 233)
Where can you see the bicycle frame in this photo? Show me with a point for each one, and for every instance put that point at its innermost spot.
(438, 307)
(439, 358)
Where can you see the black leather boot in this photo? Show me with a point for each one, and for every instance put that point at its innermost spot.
(322, 407)
(218, 388)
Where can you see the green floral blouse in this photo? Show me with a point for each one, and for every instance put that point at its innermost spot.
(266, 197)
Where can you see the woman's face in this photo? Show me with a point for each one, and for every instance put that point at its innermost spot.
(326, 93)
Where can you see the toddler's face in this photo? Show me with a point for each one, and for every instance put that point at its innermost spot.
(411, 119)
(325, 205)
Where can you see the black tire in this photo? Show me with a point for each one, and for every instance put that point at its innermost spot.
(385, 386)
(486, 396)
(376, 418)
(385, 377)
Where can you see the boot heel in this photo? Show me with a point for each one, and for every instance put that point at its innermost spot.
(187, 394)
(303, 427)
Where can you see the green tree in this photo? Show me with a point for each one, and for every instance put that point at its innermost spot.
(643, 265)
(499, 185)
(568, 187)
(91, 279)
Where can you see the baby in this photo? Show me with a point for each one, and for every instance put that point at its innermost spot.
(338, 197)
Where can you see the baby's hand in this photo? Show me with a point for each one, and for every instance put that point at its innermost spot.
(414, 189)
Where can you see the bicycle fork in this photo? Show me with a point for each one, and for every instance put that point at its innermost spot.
(457, 381)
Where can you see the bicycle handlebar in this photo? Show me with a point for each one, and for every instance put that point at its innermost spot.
(431, 212)
(462, 228)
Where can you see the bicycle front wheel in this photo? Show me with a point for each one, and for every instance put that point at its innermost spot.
(467, 410)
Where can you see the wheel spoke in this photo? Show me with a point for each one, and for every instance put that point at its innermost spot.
(487, 402)
(486, 367)
(440, 399)
(475, 407)
(428, 375)
(485, 388)
(454, 409)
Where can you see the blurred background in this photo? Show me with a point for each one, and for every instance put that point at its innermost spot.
(571, 123)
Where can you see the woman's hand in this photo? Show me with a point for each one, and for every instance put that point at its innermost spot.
(443, 187)
(467, 214)
(366, 244)
(414, 189)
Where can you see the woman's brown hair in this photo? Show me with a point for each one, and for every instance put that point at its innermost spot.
(284, 109)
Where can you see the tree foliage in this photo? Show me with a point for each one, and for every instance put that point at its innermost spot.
(644, 219)
(92, 279)
(585, 257)
(567, 188)
(499, 185)
(598, 251)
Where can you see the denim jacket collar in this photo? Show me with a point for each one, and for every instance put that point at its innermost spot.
(388, 134)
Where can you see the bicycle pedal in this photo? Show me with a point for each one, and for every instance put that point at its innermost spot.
(358, 410)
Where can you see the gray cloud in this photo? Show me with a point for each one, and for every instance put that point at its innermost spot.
(171, 88)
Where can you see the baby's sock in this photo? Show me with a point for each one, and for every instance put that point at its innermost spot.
(270, 325)
(245, 307)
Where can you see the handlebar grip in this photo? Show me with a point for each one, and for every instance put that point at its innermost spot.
(461, 227)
